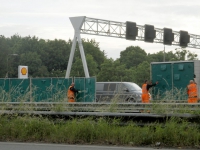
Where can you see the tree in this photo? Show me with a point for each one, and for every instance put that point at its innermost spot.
(155, 57)
(183, 54)
(120, 72)
(33, 61)
(179, 55)
(78, 70)
(142, 72)
(107, 71)
(94, 58)
(114, 71)
(192, 56)
(92, 65)
(91, 47)
(57, 55)
(43, 72)
(49, 58)
(4, 51)
(132, 56)
(159, 56)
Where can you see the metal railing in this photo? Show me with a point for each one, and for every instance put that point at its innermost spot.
(100, 107)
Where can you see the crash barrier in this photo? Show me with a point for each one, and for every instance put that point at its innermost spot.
(45, 89)
(140, 118)
(156, 108)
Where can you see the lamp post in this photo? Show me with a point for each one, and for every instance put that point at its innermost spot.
(7, 62)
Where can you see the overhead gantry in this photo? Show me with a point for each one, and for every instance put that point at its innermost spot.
(100, 27)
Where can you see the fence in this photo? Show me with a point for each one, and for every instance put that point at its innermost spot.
(45, 89)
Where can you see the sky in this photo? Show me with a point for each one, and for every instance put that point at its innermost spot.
(49, 19)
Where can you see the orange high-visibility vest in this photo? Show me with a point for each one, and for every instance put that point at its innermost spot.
(144, 89)
(192, 90)
(145, 94)
(70, 95)
(192, 93)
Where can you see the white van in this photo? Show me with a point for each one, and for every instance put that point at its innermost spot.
(119, 91)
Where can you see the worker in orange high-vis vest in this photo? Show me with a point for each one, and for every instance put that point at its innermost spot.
(192, 92)
(145, 91)
(71, 93)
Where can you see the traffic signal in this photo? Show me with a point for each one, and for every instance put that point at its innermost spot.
(149, 34)
(168, 36)
(184, 38)
(131, 30)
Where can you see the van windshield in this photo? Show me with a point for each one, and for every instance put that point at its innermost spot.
(133, 87)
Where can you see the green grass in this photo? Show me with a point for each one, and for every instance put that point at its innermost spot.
(175, 132)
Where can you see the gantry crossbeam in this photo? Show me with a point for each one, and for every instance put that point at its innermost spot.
(116, 29)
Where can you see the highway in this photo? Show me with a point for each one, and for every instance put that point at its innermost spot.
(43, 146)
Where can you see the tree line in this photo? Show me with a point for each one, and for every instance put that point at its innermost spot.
(49, 58)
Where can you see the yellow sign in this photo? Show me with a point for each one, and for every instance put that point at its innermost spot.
(24, 71)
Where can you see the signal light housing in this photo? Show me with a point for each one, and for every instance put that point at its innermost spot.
(184, 38)
(150, 33)
(168, 36)
(131, 30)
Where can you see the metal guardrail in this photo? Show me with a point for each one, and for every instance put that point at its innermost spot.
(100, 107)
(102, 114)
(126, 111)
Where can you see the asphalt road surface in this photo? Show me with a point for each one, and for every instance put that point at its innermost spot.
(39, 146)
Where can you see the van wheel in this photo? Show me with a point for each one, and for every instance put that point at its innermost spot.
(131, 100)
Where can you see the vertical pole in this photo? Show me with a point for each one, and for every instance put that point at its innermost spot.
(71, 57)
(83, 56)
(164, 54)
(30, 86)
(7, 67)
(172, 73)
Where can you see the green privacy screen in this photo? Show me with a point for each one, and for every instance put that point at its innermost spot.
(173, 78)
(45, 89)
(87, 86)
(14, 90)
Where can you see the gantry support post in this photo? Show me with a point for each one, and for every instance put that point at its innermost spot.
(77, 23)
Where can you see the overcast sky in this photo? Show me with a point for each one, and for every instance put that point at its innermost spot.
(49, 19)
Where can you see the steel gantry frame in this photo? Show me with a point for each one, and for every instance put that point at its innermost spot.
(116, 29)
(100, 27)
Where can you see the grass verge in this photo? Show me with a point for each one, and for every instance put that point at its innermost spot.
(174, 133)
